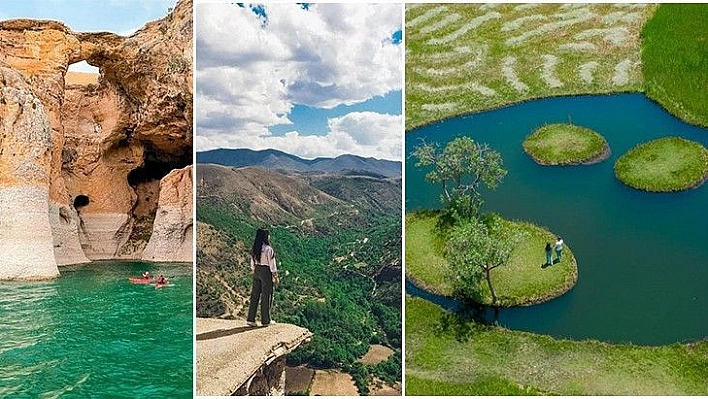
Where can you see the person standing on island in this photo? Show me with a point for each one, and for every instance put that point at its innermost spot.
(265, 274)
(559, 248)
(549, 256)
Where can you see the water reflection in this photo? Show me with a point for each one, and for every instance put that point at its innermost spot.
(25, 317)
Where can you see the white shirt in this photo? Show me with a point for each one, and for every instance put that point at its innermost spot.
(267, 258)
(559, 245)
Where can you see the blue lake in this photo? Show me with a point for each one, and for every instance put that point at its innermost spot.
(642, 257)
(93, 334)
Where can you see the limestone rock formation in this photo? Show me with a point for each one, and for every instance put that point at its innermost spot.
(233, 359)
(173, 228)
(113, 141)
(48, 47)
(26, 246)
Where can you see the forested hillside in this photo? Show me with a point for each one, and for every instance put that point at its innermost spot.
(338, 243)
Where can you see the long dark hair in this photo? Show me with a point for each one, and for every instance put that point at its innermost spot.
(548, 246)
(261, 238)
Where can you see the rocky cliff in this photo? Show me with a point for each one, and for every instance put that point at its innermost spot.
(235, 359)
(25, 155)
(173, 229)
(110, 143)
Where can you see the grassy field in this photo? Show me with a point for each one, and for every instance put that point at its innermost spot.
(666, 164)
(566, 144)
(523, 281)
(425, 263)
(446, 356)
(463, 58)
(676, 61)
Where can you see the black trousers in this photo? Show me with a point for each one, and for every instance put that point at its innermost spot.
(262, 289)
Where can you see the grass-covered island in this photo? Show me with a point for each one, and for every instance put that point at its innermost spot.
(663, 165)
(446, 355)
(566, 144)
(523, 280)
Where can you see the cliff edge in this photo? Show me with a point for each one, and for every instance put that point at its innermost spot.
(235, 359)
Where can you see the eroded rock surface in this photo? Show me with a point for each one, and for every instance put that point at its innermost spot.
(234, 359)
(26, 253)
(173, 229)
(112, 142)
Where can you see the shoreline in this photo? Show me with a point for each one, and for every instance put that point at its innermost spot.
(410, 129)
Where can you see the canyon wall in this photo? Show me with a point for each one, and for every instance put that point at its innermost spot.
(173, 228)
(25, 155)
(107, 145)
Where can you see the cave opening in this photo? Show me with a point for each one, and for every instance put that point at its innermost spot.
(81, 201)
(157, 164)
(150, 171)
(145, 181)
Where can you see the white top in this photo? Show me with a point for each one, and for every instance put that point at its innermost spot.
(559, 245)
(267, 258)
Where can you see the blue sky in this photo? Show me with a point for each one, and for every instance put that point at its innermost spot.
(312, 120)
(118, 16)
(316, 81)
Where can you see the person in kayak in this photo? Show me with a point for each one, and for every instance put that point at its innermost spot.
(146, 275)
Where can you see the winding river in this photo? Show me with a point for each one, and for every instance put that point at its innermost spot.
(642, 257)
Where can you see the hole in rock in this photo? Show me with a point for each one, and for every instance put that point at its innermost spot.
(81, 201)
(145, 179)
(81, 73)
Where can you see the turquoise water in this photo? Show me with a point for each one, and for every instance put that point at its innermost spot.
(91, 333)
(642, 257)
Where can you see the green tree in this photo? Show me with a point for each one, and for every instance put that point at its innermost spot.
(460, 168)
(475, 249)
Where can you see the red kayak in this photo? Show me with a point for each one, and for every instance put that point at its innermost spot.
(140, 280)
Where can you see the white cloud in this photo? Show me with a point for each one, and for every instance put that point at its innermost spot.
(367, 134)
(250, 74)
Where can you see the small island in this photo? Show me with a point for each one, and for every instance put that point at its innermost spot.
(524, 279)
(566, 144)
(481, 257)
(664, 165)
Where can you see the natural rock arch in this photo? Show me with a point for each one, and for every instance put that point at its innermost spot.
(102, 132)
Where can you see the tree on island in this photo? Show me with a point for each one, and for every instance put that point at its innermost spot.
(460, 168)
(476, 245)
(475, 248)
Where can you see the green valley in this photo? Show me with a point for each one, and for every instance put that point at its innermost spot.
(338, 245)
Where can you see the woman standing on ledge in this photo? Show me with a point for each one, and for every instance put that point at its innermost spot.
(265, 274)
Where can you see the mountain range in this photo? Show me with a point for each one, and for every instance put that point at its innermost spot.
(274, 159)
(281, 197)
